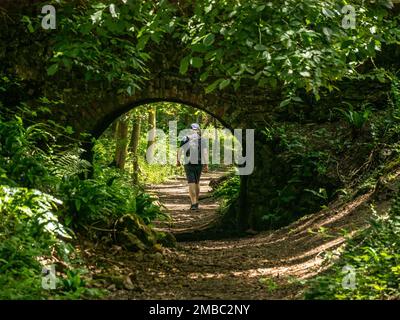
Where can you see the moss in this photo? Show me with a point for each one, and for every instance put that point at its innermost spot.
(134, 235)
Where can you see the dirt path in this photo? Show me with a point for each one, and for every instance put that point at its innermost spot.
(173, 195)
(269, 265)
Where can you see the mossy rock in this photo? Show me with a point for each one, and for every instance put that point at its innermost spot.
(134, 235)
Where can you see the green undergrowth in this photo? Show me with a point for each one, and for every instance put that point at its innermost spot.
(369, 267)
(44, 204)
(228, 188)
(314, 164)
(147, 173)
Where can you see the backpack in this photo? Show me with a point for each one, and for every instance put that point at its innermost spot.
(190, 143)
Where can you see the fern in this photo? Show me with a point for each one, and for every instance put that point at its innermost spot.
(356, 119)
(69, 163)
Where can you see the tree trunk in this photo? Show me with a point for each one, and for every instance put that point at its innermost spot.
(133, 146)
(186, 119)
(152, 135)
(114, 126)
(121, 142)
(199, 118)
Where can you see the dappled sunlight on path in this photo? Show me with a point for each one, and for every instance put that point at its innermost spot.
(269, 265)
(173, 195)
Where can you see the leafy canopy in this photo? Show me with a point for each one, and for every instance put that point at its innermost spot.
(282, 45)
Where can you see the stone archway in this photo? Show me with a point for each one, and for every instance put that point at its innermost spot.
(232, 109)
(242, 110)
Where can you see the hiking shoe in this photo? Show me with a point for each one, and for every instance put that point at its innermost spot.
(194, 206)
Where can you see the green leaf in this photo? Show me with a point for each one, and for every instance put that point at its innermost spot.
(224, 84)
(196, 62)
(77, 204)
(96, 17)
(184, 65)
(28, 21)
(69, 130)
(249, 43)
(208, 8)
(297, 99)
(210, 55)
(100, 6)
(198, 47)
(212, 86)
(260, 8)
(142, 42)
(85, 28)
(203, 76)
(260, 47)
(266, 55)
(328, 13)
(284, 103)
(305, 74)
(209, 39)
(30, 28)
(52, 69)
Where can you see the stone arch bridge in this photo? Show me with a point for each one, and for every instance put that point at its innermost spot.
(244, 109)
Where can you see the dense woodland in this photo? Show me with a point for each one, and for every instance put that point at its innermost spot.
(80, 106)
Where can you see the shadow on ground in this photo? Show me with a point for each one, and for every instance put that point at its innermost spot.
(269, 265)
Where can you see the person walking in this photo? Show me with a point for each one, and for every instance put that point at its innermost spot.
(196, 160)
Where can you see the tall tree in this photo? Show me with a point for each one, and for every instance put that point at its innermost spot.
(121, 141)
(152, 134)
(114, 126)
(199, 116)
(133, 146)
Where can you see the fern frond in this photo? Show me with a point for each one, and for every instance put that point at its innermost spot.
(69, 163)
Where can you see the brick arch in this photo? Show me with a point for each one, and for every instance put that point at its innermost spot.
(105, 121)
(245, 109)
(233, 109)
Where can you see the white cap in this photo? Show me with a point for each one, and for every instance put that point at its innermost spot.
(195, 126)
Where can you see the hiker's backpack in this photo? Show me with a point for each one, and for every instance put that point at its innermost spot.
(190, 144)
